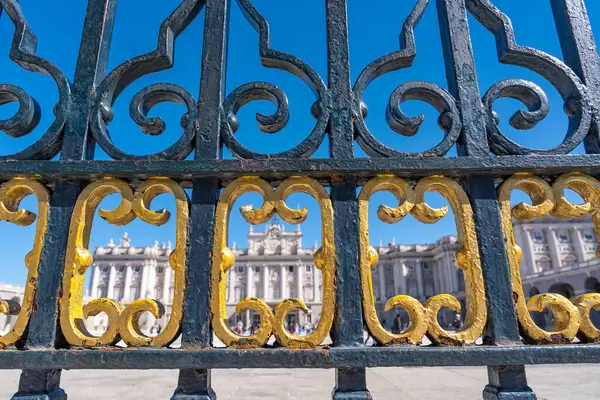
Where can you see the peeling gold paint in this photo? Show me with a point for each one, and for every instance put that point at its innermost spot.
(424, 318)
(566, 318)
(271, 322)
(123, 321)
(11, 194)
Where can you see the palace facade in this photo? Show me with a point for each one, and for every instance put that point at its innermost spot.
(558, 256)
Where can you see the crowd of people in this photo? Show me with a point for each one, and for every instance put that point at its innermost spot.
(292, 327)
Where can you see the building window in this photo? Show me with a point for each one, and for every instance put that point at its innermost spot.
(274, 290)
(543, 264)
(388, 267)
(376, 293)
(569, 261)
(240, 269)
(292, 291)
(134, 292)
(537, 236)
(240, 293)
(160, 270)
(102, 291)
(309, 268)
(308, 293)
(105, 269)
(563, 236)
(137, 268)
(291, 269)
(158, 291)
(258, 292)
(120, 268)
(588, 236)
(257, 269)
(118, 292)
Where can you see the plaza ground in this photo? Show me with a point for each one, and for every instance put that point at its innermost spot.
(573, 382)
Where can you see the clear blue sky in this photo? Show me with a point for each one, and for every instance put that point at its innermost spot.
(298, 28)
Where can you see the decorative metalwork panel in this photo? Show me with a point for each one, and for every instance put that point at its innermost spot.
(272, 321)
(571, 317)
(498, 330)
(424, 319)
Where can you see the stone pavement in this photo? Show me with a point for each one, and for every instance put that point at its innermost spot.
(573, 382)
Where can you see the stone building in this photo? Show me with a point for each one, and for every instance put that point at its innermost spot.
(558, 256)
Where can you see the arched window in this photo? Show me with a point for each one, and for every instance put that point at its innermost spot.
(592, 285)
(563, 289)
(534, 291)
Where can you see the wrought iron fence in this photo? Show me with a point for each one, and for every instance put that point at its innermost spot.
(49, 334)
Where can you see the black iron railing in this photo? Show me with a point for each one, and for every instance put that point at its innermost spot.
(49, 334)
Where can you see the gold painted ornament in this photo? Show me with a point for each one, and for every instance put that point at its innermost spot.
(272, 321)
(423, 318)
(11, 195)
(123, 321)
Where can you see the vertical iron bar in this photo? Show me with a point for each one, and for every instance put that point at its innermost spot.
(196, 330)
(348, 324)
(501, 327)
(43, 329)
(581, 54)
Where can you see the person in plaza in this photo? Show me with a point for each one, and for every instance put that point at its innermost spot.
(397, 325)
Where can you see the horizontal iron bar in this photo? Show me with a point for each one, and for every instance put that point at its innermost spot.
(286, 358)
(317, 168)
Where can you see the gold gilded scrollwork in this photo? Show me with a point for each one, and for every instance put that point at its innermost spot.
(123, 321)
(566, 318)
(11, 194)
(423, 319)
(589, 189)
(271, 321)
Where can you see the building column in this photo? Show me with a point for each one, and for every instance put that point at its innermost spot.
(299, 279)
(419, 272)
(111, 281)
(167, 284)
(453, 272)
(144, 285)
(317, 281)
(397, 276)
(265, 281)
(152, 279)
(126, 290)
(578, 243)
(231, 275)
(249, 282)
(553, 247)
(381, 283)
(95, 280)
(283, 282)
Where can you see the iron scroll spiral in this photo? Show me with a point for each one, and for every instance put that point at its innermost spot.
(568, 84)
(253, 91)
(27, 117)
(428, 92)
(121, 77)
